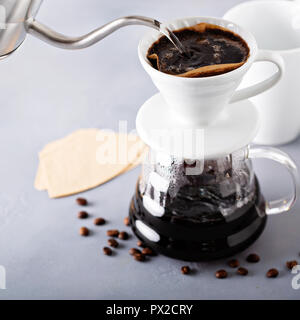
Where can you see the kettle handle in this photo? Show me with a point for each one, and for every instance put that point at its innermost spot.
(284, 204)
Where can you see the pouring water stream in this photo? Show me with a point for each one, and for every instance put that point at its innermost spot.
(172, 37)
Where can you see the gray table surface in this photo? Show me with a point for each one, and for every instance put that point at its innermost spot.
(47, 93)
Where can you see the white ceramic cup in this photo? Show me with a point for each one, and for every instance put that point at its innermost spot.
(276, 27)
(199, 101)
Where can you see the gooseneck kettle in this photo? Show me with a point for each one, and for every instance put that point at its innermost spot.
(17, 18)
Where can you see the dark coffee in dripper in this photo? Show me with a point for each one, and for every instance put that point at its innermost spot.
(210, 50)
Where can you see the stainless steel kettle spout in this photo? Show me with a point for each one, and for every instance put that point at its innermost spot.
(54, 38)
(17, 18)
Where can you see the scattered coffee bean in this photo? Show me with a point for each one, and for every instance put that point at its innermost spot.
(82, 215)
(84, 231)
(107, 251)
(123, 235)
(185, 270)
(221, 274)
(139, 257)
(99, 221)
(242, 271)
(234, 263)
(140, 244)
(272, 273)
(112, 233)
(253, 258)
(291, 264)
(113, 243)
(127, 221)
(81, 201)
(148, 251)
(133, 251)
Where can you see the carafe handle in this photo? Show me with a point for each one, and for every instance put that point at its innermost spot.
(284, 204)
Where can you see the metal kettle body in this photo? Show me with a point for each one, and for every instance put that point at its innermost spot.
(14, 15)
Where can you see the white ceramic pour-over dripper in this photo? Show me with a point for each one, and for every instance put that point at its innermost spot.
(199, 101)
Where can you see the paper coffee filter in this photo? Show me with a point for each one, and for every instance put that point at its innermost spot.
(40, 182)
(205, 71)
(79, 161)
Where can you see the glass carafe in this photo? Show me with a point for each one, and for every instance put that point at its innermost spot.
(204, 209)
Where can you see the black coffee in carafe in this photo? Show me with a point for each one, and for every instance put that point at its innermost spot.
(198, 217)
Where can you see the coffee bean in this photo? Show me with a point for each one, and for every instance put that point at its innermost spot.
(242, 271)
(99, 221)
(133, 251)
(221, 274)
(234, 263)
(139, 257)
(253, 258)
(107, 251)
(127, 221)
(82, 215)
(148, 252)
(123, 235)
(185, 270)
(112, 233)
(81, 201)
(272, 273)
(83, 231)
(140, 244)
(291, 264)
(113, 243)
